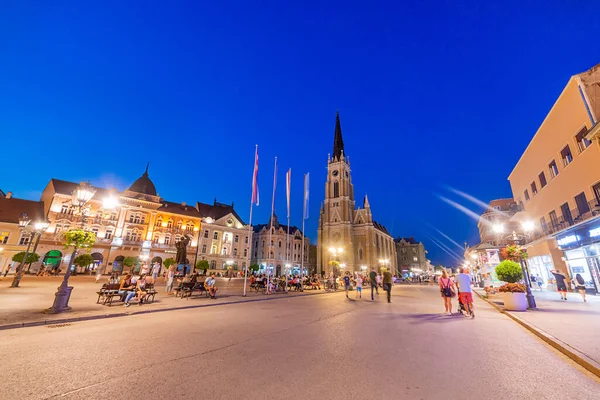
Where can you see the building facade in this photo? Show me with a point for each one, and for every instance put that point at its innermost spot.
(557, 184)
(359, 242)
(224, 237)
(498, 213)
(411, 256)
(269, 249)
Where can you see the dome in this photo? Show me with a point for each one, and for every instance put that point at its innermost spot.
(143, 184)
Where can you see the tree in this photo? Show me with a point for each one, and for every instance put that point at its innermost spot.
(83, 260)
(202, 265)
(168, 262)
(254, 267)
(131, 261)
(31, 257)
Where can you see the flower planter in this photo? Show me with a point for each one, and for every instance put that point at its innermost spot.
(515, 301)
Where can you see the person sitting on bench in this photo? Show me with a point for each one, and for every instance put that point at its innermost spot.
(210, 285)
(140, 290)
(127, 289)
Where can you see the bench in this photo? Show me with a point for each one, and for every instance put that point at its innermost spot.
(107, 293)
(258, 286)
(188, 290)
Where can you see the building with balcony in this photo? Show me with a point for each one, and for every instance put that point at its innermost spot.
(556, 183)
(224, 238)
(269, 244)
(498, 214)
(411, 256)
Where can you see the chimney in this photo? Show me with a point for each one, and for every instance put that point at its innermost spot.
(183, 203)
(8, 195)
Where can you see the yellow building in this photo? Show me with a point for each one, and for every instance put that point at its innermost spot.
(557, 184)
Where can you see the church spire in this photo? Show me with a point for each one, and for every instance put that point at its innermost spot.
(338, 142)
(146, 172)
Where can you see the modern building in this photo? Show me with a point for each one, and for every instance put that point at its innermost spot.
(269, 244)
(411, 256)
(348, 234)
(13, 239)
(498, 214)
(557, 184)
(224, 237)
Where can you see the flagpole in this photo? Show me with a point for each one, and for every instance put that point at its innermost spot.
(271, 228)
(254, 186)
(288, 183)
(303, 218)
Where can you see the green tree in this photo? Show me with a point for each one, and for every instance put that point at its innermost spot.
(202, 265)
(254, 267)
(131, 261)
(509, 271)
(168, 262)
(83, 260)
(31, 257)
(79, 239)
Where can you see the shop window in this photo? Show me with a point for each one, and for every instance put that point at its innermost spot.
(582, 142)
(582, 204)
(566, 155)
(542, 179)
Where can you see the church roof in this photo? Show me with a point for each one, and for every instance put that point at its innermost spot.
(380, 227)
(143, 184)
(338, 142)
(217, 210)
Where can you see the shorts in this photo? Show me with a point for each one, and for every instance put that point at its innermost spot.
(465, 297)
(561, 288)
(359, 288)
(346, 287)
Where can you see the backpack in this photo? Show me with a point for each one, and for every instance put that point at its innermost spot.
(447, 290)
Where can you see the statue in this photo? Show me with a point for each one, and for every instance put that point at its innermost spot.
(181, 257)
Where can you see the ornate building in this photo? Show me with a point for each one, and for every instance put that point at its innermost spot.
(412, 256)
(276, 262)
(359, 241)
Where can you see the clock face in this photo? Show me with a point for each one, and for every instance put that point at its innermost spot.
(334, 173)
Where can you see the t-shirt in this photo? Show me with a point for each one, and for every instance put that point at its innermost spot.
(560, 278)
(346, 280)
(373, 276)
(463, 281)
(359, 281)
(387, 277)
(209, 282)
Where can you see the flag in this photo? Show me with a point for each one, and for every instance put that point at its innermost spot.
(255, 195)
(288, 183)
(306, 193)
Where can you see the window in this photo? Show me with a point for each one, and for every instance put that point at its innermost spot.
(280, 244)
(566, 155)
(108, 234)
(64, 209)
(25, 238)
(543, 224)
(235, 252)
(542, 179)
(213, 249)
(213, 264)
(236, 239)
(216, 235)
(596, 189)
(4, 237)
(415, 259)
(155, 239)
(177, 238)
(566, 213)
(246, 240)
(582, 204)
(206, 234)
(189, 227)
(582, 142)
(526, 194)
(336, 189)
(360, 254)
(158, 222)
(553, 220)
(224, 251)
(95, 231)
(553, 169)
(167, 239)
(170, 224)
(178, 224)
(203, 249)
(245, 252)
(113, 216)
(533, 188)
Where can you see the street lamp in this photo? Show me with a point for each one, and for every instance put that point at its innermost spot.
(38, 229)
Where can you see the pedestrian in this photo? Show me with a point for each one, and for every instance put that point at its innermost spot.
(540, 282)
(561, 286)
(155, 271)
(447, 291)
(170, 279)
(463, 284)
(373, 281)
(359, 285)
(378, 281)
(347, 282)
(387, 284)
(580, 286)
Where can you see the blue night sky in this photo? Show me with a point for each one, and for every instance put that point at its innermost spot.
(431, 95)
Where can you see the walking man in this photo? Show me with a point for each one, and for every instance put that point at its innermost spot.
(561, 285)
(373, 280)
(347, 282)
(388, 280)
(463, 282)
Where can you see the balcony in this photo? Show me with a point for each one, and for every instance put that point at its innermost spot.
(565, 222)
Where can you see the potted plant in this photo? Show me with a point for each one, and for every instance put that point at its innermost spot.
(513, 292)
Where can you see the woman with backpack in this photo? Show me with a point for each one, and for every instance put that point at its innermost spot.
(447, 290)
(580, 285)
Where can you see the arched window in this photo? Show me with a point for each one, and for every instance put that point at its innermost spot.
(167, 239)
(280, 244)
(178, 224)
(336, 189)
(213, 264)
(213, 249)
(170, 224)
(158, 222)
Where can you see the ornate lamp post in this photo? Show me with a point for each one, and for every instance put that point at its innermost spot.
(24, 222)
(527, 227)
(76, 239)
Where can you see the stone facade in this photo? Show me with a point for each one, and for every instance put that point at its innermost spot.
(412, 256)
(363, 242)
